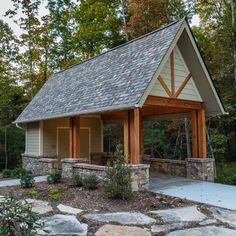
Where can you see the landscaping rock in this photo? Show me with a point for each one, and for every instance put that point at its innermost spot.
(183, 214)
(62, 225)
(224, 215)
(68, 209)
(208, 222)
(158, 229)
(206, 230)
(2, 198)
(116, 230)
(38, 206)
(124, 218)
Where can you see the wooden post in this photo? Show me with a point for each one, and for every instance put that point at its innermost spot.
(126, 136)
(71, 138)
(202, 147)
(135, 119)
(131, 135)
(141, 135)
(75, 137)
(194, 134)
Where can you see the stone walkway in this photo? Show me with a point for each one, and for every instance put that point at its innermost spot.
(214, 194)
(193, 220)
(16, 182)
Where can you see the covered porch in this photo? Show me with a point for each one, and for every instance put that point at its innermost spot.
(132, 121)
(79, 140)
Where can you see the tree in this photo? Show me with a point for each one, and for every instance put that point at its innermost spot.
(148, 15)
(11, 95)
(99, 26)
(216, 38)
(28, 23)
(61, 27)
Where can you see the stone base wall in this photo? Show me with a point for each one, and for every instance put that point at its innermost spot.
(201, 169)
(140, 177)
(88, 169)
(39, 165)
(166, 166)
(139, 173)
(67, 166)
(192, 168)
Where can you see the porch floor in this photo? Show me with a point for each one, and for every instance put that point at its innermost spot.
(220, 195)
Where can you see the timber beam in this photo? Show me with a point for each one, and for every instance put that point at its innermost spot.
(171, 102)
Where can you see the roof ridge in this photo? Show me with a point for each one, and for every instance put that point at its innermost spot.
(121, 45)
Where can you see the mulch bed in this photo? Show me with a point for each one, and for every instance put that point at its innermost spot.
(96, 200)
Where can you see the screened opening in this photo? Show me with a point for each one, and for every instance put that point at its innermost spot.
(167, 138)
(112, 135)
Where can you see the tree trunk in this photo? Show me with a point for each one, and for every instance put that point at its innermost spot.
(176, 142)
(209, 141)
(124, 20)
(5, 150)
(186, 128)
(233, 12)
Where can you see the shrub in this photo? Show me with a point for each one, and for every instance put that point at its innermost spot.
(6, 173)
(17, 218)
(225, 173)
(54, 177)
(76, 181)
(54, 193)
(32, 193)
(18, 172)
(27, 180)
(117, 183)
(90, 182)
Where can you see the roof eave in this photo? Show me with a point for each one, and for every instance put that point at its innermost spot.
(87, 112)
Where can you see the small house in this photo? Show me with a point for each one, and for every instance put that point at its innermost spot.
(157, 74)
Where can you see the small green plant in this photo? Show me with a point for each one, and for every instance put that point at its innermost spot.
(6, 173)
(225, 173)
(55, 193)
(32, 193)
(18, 172)
(90, 182)
(76, 181)
(54, 177)
(17, 218)
(117, 183)
(27, 180)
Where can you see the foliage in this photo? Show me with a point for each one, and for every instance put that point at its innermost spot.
(99, 25)
(32, 193)
(148, 15)
(55, 193)
(17, 219)
(90, 182)
(6, 173)
(113, 134)
(76, 180)
(117, 183)
(71, 32)
(226, 173)
(18, 172)
(27, 180)
(54, 177)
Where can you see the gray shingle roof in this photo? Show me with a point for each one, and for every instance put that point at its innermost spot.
(115, 79)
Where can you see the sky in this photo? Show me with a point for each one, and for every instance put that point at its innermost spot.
(7, 4)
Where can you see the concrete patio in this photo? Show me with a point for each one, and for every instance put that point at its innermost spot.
(214, 194)
(16, 182)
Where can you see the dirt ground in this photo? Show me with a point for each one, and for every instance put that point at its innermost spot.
(95, 200)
